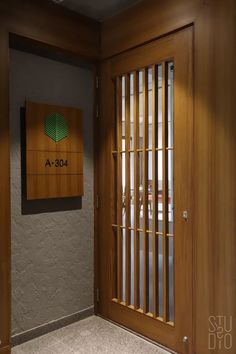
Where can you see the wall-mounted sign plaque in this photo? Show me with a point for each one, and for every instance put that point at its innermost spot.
(54, 151)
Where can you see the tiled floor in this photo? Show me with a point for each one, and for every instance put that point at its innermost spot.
(90, 336)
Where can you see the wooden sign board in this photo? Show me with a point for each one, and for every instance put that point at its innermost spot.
(54, 151)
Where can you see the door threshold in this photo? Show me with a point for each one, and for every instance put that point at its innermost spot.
(138, 334)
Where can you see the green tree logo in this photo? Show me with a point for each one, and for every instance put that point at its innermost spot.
(56, 127)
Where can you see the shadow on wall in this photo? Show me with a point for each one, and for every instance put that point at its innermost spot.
(44, 205)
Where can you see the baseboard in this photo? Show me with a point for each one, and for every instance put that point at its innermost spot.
(51, 326)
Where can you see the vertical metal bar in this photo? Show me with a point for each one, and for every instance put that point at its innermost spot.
(119, 186)
(136, 192)
(154, 188)
(145, 193)
(127, 188)
(165, 191)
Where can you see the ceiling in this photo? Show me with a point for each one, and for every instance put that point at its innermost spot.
(98, 9)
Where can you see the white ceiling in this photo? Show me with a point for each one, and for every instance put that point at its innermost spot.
(98, 9)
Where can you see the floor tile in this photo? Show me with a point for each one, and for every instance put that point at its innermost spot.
(92, 335)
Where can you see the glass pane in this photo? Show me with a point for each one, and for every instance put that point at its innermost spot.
(132, 111)
(132, 189)
(150, 273)
(160, 274)
(123, 232)
(123, 113)
(170, 192)
(123, 190)
(141, 269)
(115, 262)
(140, 145)
(140, 154)
(160, 192)
(115, 188)
(150, 197)
(170, 103)
(116, 116)
(150, 108)
(171, 277)
(132, 267)
(159, 105)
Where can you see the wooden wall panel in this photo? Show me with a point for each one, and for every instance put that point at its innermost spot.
(5, 236)
(105, 134)
(214, 141)
(215, 168)
(148, 20)
(53, 25)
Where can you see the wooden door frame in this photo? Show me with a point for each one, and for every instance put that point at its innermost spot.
(21, 33)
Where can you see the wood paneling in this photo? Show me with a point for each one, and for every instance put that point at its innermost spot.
(104, 160)
(214, 140)
(215, 169)
(52, 25)
(5, 236)
(148, 20)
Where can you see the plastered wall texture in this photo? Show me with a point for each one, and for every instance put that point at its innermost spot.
(52, 252)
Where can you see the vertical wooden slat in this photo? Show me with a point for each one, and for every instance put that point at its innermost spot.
(136, 192)
(119, 186)
(154, 188)
(127, 188)
(165, 190)
(145, 193)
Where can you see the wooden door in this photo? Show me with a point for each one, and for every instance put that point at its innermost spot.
(145, 245)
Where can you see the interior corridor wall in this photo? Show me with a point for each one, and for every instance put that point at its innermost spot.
(52, 250)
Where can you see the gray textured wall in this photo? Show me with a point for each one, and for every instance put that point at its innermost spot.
(52, 252)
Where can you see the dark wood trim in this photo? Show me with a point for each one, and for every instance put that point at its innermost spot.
(48, 51)
(5, 216)
(96, 195)
(52, 25)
